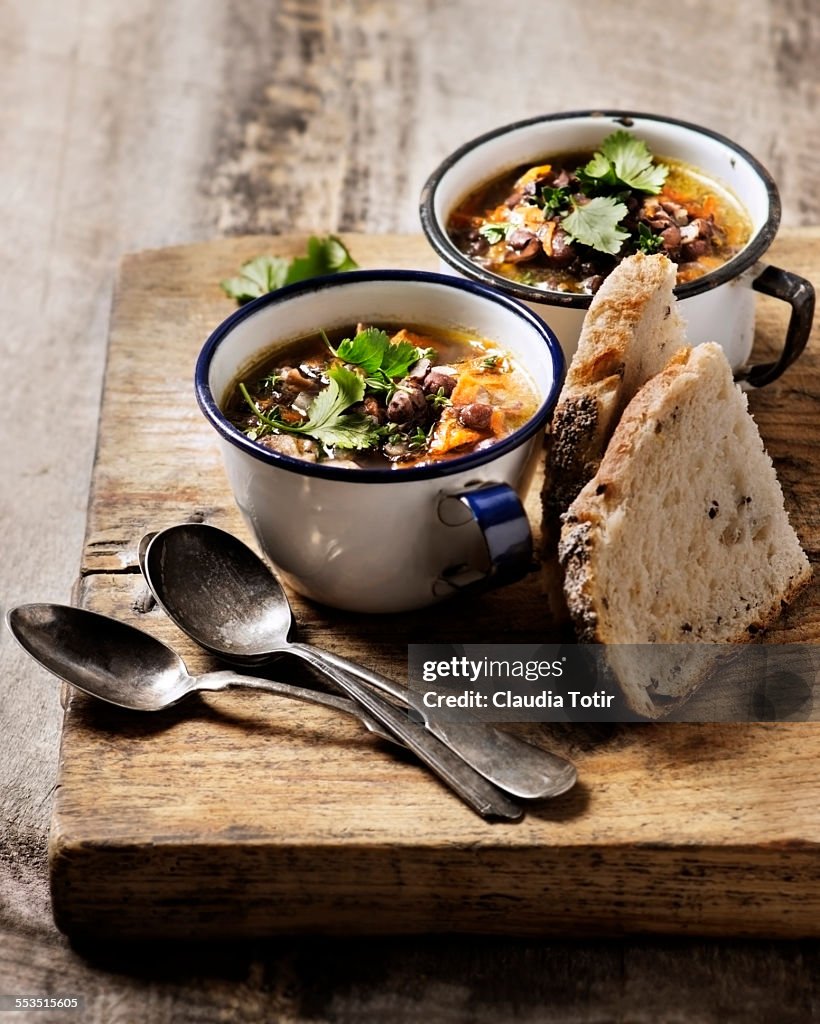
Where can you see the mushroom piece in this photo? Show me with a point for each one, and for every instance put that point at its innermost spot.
(562, 251)
(522, 246)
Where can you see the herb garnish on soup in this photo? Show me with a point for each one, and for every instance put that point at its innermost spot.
(386, 396)
(566, 222)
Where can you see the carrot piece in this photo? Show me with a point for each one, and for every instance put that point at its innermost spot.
(449, 433)
(532, 174)
(419, 340)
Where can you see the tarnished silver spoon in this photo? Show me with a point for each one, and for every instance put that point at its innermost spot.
(122, 665)
(218, 591)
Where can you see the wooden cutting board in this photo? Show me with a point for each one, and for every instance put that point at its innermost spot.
(243, 814)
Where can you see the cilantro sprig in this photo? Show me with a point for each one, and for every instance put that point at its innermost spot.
(267, 273)
(327, 422)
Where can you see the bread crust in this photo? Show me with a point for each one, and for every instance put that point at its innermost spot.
(621, 345)
(585, 523)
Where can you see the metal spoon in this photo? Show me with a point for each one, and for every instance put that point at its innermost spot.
(122, 665)
(226, 598)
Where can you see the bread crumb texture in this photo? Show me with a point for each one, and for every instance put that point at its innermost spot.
(682, 534)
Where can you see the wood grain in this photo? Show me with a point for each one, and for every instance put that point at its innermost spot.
(258, 817)
(154, 123)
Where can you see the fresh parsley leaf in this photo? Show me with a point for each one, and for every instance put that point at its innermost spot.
(623, 161)
(256, 277)
(495, 233)
(399, 358)
(267, 273)
(337, 257)
(595, 224)
(324, 256)
(647, 240)
(633, 163)
(350, 430)
(381, 359)
(599, 171)
(346, 388)
(367, 349)
(552, 199)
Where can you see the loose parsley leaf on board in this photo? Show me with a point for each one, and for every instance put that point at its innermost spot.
(267, 273)
(256, 277)
(596, 224)
(324, 256)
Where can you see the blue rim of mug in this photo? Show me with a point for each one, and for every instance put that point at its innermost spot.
(212, 412)
(439, 239)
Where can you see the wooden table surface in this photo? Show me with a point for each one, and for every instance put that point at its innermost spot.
(158, 122)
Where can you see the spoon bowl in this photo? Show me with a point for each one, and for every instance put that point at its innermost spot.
(122, 665)
(101, 656)
(221, 593)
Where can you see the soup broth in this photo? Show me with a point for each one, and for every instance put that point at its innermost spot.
(389, 396)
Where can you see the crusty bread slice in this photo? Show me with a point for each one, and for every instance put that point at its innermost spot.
(681, 535)
(631, 330)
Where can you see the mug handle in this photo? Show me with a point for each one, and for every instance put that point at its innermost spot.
(500, 516)
(799, 293)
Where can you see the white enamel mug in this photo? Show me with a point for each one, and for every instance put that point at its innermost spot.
(383, 540)
(720, 306)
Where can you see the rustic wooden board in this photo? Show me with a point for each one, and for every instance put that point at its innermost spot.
(240, 814)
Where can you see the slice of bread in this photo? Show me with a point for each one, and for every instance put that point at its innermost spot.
(681, 535)
(631, 330)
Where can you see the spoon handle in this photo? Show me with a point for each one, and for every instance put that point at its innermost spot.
(472, 787)
(516, 766)
(226, 679)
